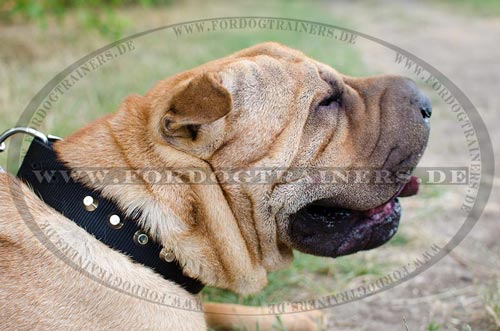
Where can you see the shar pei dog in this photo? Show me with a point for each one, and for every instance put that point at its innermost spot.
(266, 108)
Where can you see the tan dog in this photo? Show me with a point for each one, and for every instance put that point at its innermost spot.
(264, 107)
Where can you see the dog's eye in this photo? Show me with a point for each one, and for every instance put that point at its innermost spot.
(334, 99)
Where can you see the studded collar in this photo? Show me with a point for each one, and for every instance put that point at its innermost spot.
(99, 216)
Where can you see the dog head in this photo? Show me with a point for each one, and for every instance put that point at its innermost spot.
(271, 109)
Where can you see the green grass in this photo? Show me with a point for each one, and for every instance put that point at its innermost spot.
(433, 326)
(399, 239)
(308, 276)
(491, 297)
(432, 192)
(299, 277)
(97, 15)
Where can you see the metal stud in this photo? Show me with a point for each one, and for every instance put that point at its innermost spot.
(167, 255)
(115, 221)
(141, 238)
(89, 203)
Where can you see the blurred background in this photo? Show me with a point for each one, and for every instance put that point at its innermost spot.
(38, 39)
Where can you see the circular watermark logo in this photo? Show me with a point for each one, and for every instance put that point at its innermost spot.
(474, 177)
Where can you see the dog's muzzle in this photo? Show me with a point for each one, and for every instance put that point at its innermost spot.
(323, 230)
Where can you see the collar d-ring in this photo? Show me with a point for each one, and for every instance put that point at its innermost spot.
(25, 130)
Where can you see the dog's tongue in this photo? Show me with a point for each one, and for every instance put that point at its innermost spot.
(410, 188)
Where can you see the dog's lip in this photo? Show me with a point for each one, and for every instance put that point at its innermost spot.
(408, 189)
(377, 227)
(328, 231)
(336, 232)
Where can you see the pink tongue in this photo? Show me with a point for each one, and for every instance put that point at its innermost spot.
(410, 188)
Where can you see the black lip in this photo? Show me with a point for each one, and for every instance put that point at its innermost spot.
(332, 232)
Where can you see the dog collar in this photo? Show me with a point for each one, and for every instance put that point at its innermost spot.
(101, 217)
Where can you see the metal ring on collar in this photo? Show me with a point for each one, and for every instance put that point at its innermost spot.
(32, 132)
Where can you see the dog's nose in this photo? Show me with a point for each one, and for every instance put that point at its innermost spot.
(420, 100)
(424, 103)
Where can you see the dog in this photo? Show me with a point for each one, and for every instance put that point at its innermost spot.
(264, 107)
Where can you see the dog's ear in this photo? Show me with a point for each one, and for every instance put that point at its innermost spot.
(202, 101)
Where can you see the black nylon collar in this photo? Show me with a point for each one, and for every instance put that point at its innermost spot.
(67, 196)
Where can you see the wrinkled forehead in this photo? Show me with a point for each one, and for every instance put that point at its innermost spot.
(281, 65)
(271, 56)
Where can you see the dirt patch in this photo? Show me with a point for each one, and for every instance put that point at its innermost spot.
(448, 296)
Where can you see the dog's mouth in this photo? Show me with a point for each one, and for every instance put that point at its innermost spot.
(319, 229)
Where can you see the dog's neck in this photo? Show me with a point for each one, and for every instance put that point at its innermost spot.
(178, 216)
